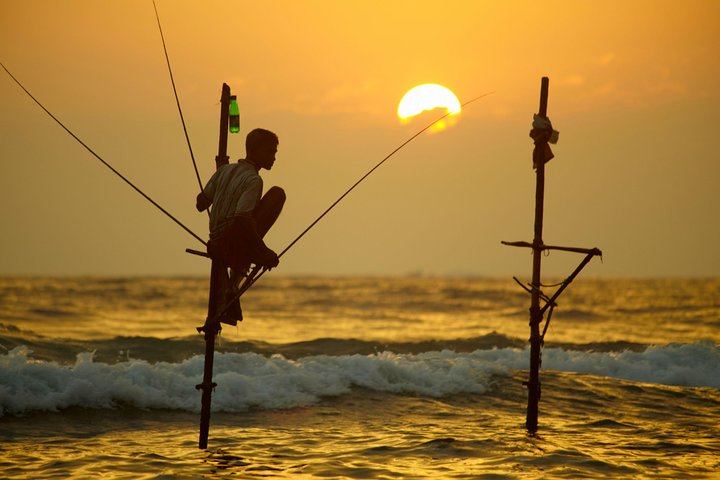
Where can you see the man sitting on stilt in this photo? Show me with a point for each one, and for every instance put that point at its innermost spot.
(241, 215)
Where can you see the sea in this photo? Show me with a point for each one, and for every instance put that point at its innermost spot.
(408, 377)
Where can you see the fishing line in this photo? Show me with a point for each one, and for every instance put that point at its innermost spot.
(177, 99)
(254, 276)
(103, 161)
(371, 171)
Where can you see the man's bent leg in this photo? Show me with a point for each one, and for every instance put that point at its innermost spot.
(268, 209)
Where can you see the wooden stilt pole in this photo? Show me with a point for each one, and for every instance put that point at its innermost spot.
(222, 156)
(533, 383)
(541, 154)
(216, 297)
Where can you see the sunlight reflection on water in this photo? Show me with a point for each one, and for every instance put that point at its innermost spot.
(290, 309)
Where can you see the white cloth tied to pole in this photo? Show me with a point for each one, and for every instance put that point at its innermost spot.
(543, 130)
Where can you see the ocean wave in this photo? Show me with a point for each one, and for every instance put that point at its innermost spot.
(248, 380)
(251, 380)
(688, 365)
(9, 328)
(52, 312)
(581, 314)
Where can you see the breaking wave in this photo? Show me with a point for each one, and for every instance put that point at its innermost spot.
(252, 380)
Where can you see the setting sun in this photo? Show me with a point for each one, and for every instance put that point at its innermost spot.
(428, 97)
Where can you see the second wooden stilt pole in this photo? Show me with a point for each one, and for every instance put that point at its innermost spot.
(536, 315)
(542, 133)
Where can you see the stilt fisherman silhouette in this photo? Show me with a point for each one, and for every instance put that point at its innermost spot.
(241, 215)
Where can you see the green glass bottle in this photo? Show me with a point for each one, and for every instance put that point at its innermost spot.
(234, 115)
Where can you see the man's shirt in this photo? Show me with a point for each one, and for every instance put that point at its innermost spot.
(235, 189)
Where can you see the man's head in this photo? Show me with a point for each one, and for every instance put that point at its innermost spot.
(261, 147)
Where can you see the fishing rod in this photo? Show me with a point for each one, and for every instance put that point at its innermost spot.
(125, 179)
(256, 272)
(177, 99)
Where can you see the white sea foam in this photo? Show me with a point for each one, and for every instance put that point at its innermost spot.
(250, 380)
(687, 365)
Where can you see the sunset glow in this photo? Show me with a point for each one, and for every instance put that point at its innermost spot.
(332, 83)
(428, 97)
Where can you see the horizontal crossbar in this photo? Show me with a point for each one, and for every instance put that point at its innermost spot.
(197, 252)
(587, 251)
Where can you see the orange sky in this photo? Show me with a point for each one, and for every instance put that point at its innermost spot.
(633, 91)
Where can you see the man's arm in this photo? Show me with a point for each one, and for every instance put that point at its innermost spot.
(206, 196)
